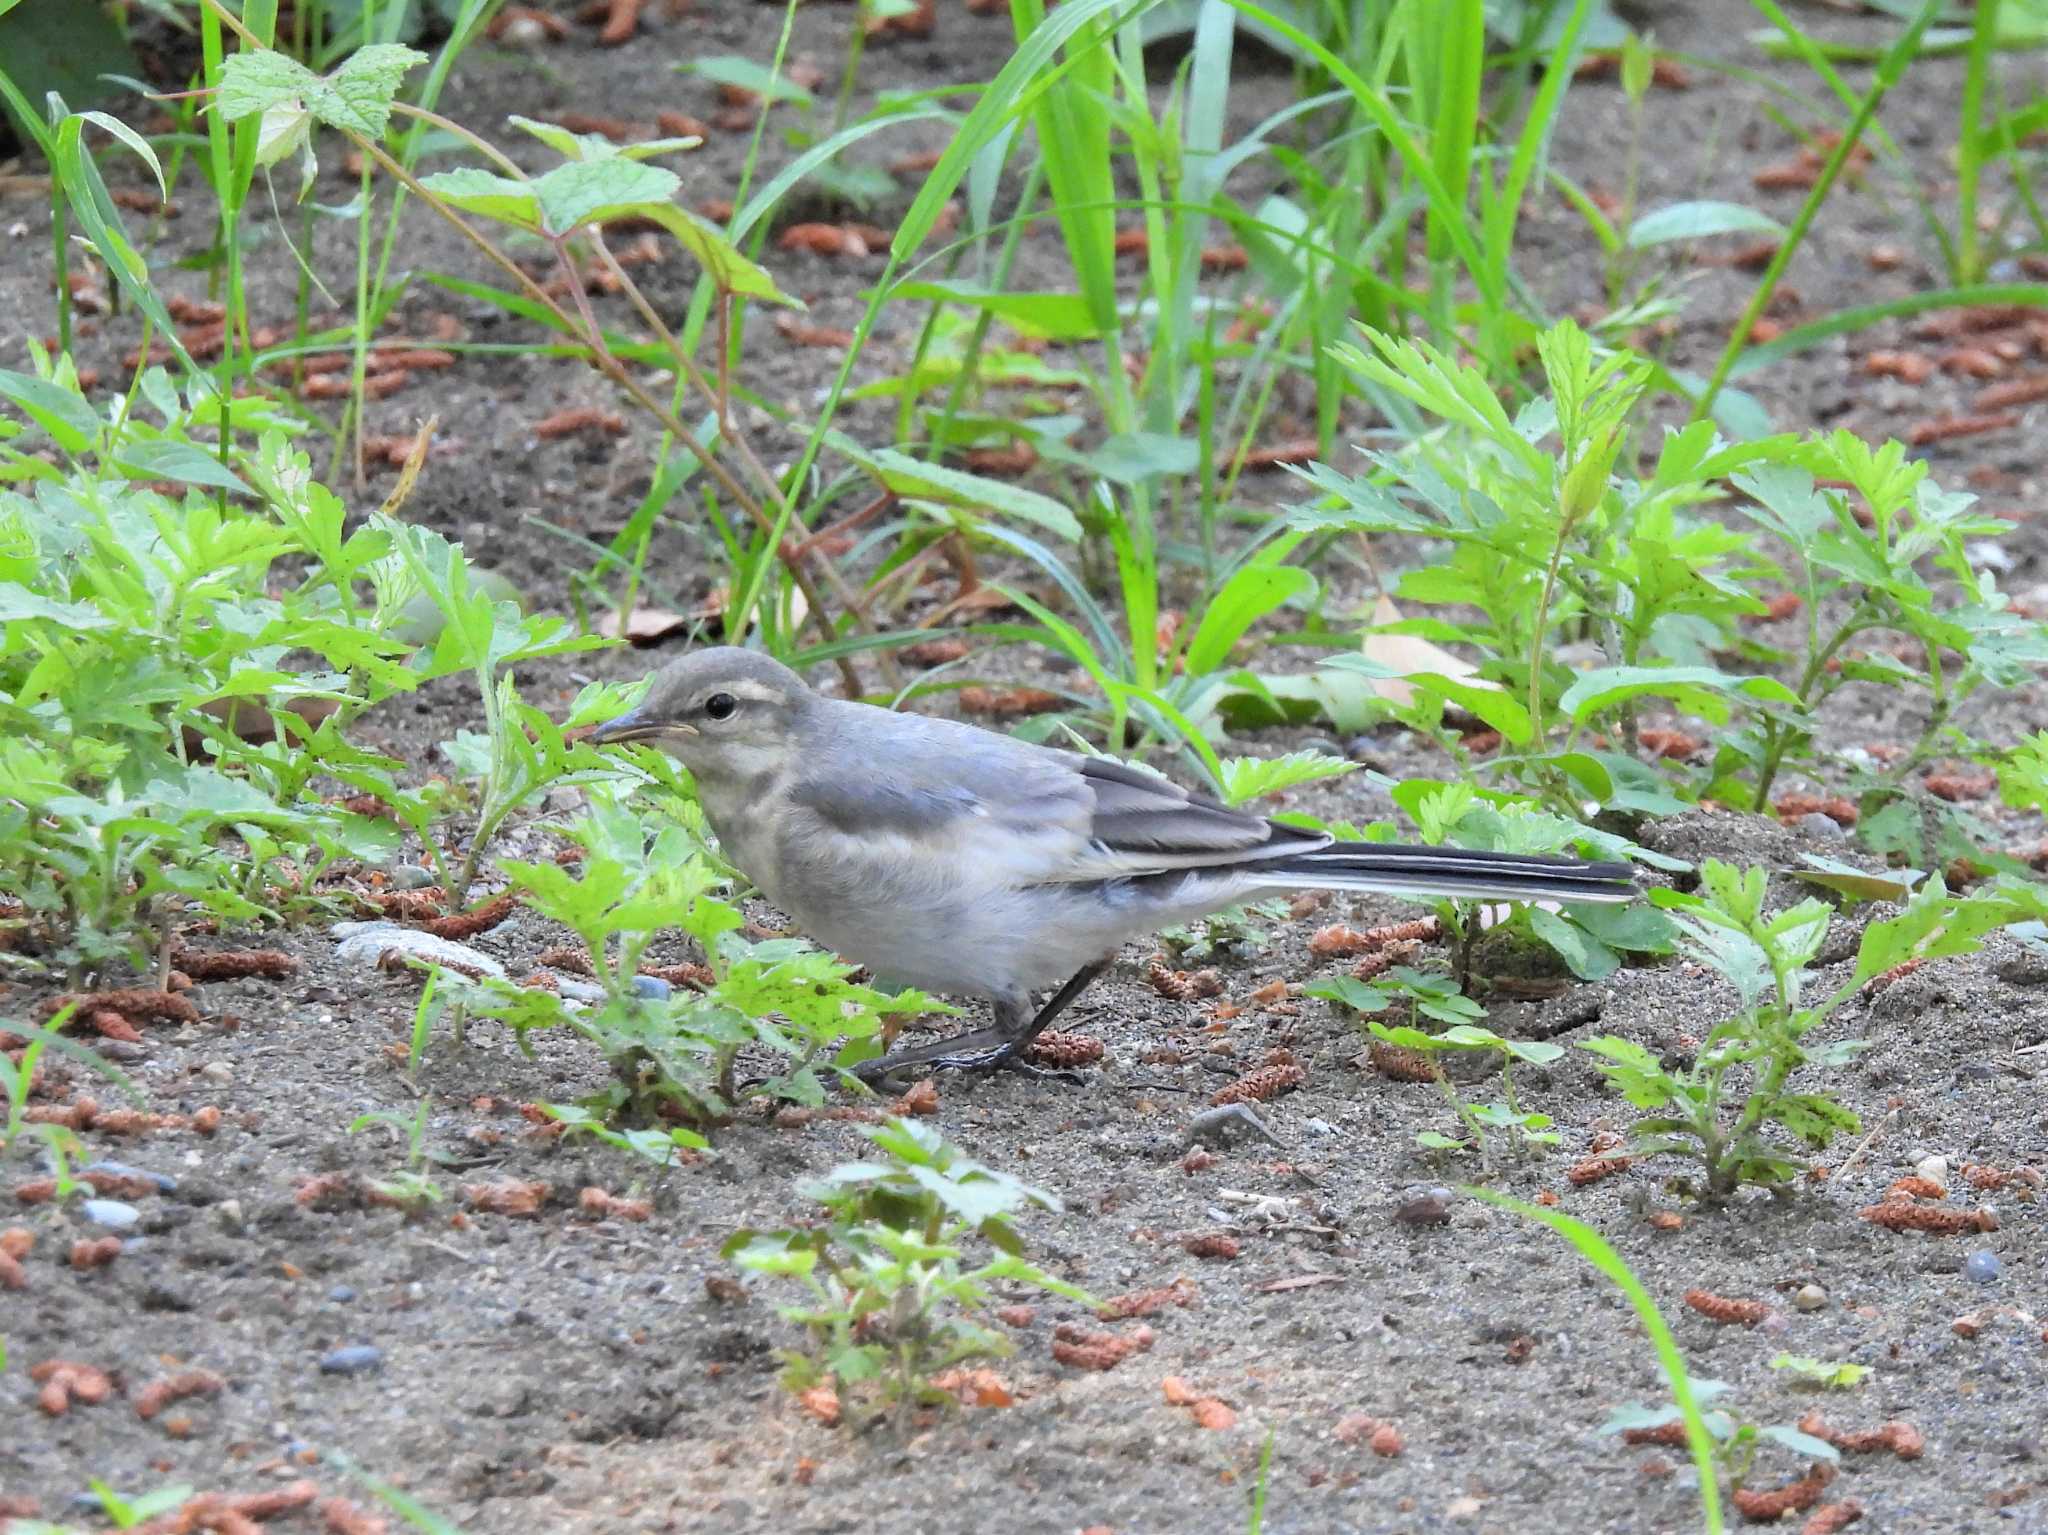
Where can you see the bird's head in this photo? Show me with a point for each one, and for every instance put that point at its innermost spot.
(724, 712)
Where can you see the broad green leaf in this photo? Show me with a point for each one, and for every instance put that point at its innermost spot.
(1695, 220)
(184, 461)
(1588, 957)
(1800, 1443)
(356, 98)
(1131, 458)
(359, 94)
(70, 421)
(1495, 706)
(488, 194)
(1349, 991)
(722, 261)
(19, 602)
(253, 82)
(915, 480)
(591, 191)
(1895, 886)
(1245, 598)
(1935, 926)
(1697, 690)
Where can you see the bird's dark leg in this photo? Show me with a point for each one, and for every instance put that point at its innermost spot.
(1002, 1044)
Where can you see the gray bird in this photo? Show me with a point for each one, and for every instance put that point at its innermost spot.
(956, 860)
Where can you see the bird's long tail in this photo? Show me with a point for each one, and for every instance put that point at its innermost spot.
(1387, 869)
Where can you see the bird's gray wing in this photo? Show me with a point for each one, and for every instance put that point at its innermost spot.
(1021, 813)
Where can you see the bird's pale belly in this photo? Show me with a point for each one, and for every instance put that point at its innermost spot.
(993, 943)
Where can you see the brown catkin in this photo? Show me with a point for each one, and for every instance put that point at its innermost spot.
(1401, 1064)
(1056, 1049)
(1794, 1497)
(234, 964)
(1726, 1309)
(159, 1394)
(1832, 1518)
(1593, 1169)
(1082, 1349)
(1264, 1083)
(1183, 985)
(1901, 1215)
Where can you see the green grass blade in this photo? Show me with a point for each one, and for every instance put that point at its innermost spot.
(1595, 1250)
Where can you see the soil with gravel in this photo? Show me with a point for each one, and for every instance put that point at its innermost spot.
(563, 1370)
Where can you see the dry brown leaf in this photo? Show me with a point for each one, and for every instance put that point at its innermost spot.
(644, 626)
(1408, 654)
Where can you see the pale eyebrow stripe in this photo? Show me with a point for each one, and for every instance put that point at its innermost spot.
(760, 692)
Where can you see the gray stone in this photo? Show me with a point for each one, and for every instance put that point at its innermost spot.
(353, 1359)
(1221, 1126)
(111, 1213)
(1822, 828)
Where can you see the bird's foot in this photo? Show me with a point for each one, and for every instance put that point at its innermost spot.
(986, 1049)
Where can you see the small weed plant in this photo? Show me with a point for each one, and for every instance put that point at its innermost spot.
(1437, 997)
(1742, 1108)
(674, 1047)
(902, 1264)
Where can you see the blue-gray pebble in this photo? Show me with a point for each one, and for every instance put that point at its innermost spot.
(110, 1213)
(652, 987)
(1981, 1268)
(354, 1359)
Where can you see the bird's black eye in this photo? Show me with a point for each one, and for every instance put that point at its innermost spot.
(720, 706)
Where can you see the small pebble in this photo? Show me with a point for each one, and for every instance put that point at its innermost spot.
(228, 1215)
(652, 987)
(220, 1073)
(111, 1213)
(1933, 1169)
(1221, 1126)
(1809, 1297)
(1429, 1209)
(1981, 1268)
(411, 876)
(565, 799)
(342, 1294)
(354, 1359)
(1822, 828)
(1367, 752)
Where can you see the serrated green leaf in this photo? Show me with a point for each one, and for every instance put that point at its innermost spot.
(1249, 778)
(488, 194)
(359, 94)
(592, 191)
(253, 82)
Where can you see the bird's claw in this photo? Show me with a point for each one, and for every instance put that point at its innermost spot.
(969, 1052)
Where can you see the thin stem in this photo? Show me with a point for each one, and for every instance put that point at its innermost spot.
(1969, 142)
(1888, 73)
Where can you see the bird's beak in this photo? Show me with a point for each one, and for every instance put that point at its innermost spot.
(636, 726)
